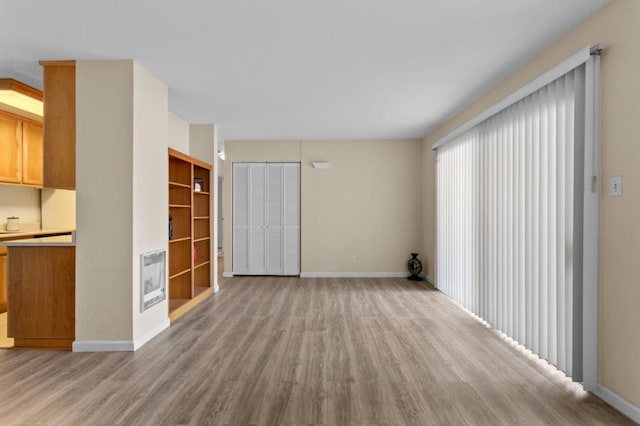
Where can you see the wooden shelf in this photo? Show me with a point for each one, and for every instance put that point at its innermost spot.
(175, 274)
(190, 250)
(177, 240)
(182, 306)
(201, 264)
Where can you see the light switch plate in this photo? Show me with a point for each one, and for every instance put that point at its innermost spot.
(615, 186)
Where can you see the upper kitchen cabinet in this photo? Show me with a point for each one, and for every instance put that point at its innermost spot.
(32, 153)
(20, 133)
(21, 148)
(59, 82)
(11, 148)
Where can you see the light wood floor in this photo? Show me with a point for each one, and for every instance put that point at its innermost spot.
(302, 351)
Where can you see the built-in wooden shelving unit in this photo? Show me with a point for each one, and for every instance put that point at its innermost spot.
(190, 245)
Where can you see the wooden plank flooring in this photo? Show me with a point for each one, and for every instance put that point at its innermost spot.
(302, 351)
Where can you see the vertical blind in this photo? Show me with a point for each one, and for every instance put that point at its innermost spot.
(509, 220)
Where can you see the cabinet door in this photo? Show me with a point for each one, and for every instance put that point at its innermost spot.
(11, 149)
(59, 80)
(31, 153)
(3, 280)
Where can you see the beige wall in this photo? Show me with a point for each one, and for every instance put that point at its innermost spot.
(178, 133)
(202, 144)
(19, 201)
(429, 210)
(104, 170)
(122, 199)
(367, 204)
(616, 26)
(149, 190)
(58, 208)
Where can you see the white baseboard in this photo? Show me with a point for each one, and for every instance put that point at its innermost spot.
(619, 403)
(139, 341)
(215, 288)
(102, 346)
(119, 345)
(429, 279)
(354, 275)
(227, 274)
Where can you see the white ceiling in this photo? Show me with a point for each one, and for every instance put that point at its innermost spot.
(298, 69)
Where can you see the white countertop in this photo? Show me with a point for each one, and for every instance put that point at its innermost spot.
(58, 240)
(7, 236)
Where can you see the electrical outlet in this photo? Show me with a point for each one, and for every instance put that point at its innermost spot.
(352, 259)
(615, 186)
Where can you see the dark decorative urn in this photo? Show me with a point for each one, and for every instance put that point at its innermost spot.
(415, 267)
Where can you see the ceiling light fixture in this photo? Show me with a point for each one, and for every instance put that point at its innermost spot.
(221, 155)
(19, 95)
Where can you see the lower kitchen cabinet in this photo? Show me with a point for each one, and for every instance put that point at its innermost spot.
(3, 279)
(41, 292)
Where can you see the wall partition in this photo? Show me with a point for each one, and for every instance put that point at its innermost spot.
(510, 215)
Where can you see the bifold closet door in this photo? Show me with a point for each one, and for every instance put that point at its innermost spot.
(275, 219)
(291, 219)
(257, 225)
(241, 218)
(266, 218)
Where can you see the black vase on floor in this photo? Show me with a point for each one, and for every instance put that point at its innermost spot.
(415, 267)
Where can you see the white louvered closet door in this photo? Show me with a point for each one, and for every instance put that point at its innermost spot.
(291, 218)
(266, 219)
(241, 218)
(275, 219)
(257, 219)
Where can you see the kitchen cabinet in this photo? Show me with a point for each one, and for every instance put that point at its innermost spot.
(3, 279)
(41, 290)
(31, 153)
(21, 140)
(190, 240)
(11, 148)
(4, 259)
(59, 81)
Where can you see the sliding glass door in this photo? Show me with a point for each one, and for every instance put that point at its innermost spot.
(510, 220)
